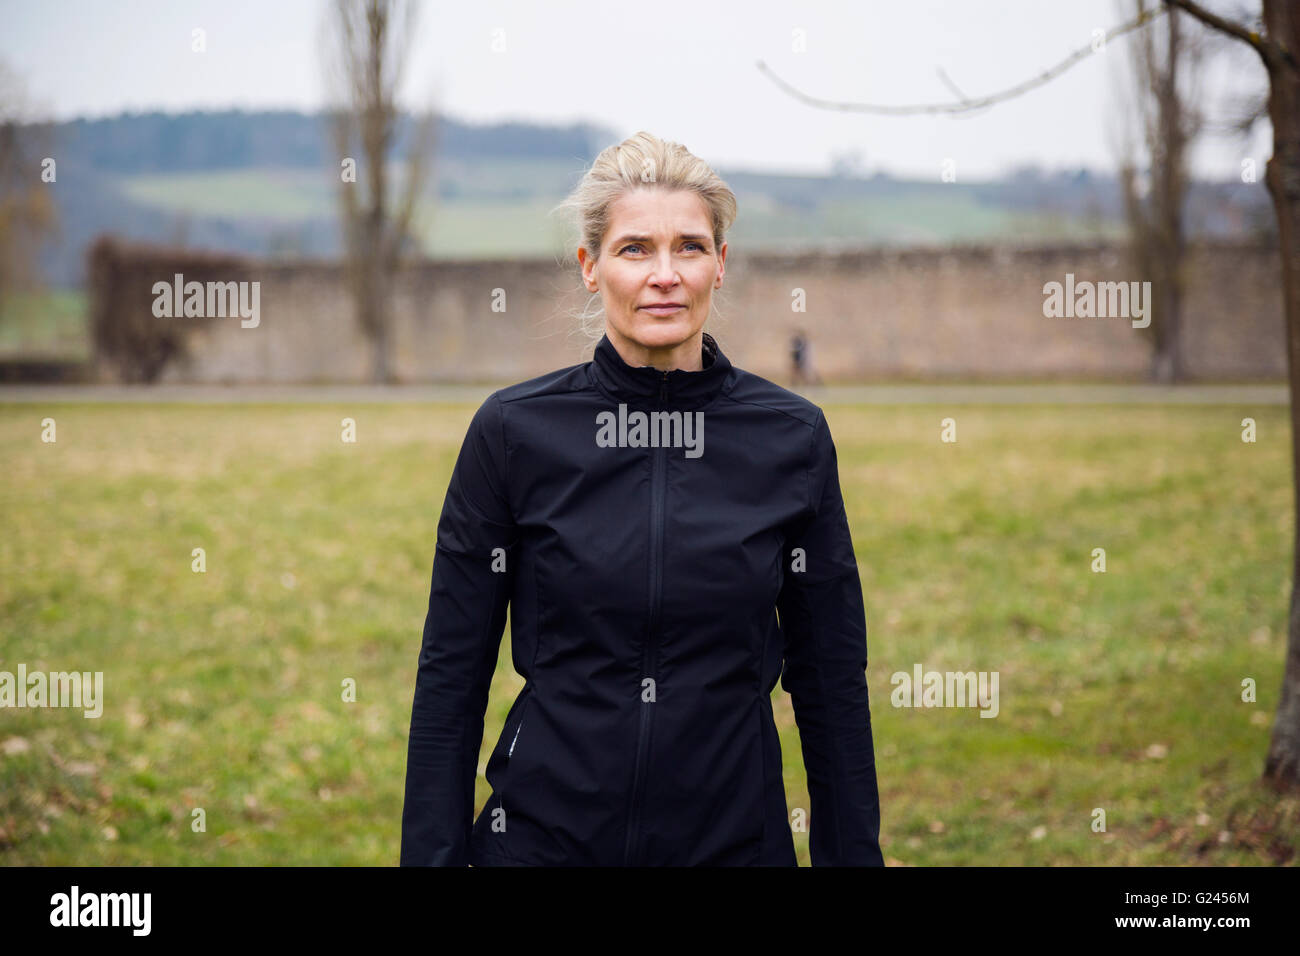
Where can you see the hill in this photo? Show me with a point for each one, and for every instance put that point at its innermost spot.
(264, 183)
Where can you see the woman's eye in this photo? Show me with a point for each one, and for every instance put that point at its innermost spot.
(637, 245)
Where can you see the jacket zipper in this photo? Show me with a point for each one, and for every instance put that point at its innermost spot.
(649, 659)
(518, 727)
(523, 709)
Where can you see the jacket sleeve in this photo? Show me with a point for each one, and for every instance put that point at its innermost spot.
(462, 636)
(823, 623)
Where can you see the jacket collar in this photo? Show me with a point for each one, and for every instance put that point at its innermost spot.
(645, 384)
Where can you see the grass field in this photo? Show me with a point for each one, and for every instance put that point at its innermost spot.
(1118, 690)
(501, 207)
(52, 323)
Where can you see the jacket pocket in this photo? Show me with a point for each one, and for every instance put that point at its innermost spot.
(519, 725)
(507, 745)
(493, 831)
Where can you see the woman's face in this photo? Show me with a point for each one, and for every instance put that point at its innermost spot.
(658, 249)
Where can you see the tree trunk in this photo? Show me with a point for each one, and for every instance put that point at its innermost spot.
(1282, 22)
(1279, 48)
(1156, 222)
(1171, 184)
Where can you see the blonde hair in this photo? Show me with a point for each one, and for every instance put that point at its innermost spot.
(643, 160)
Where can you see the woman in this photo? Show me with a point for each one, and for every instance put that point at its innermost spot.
(647, 516)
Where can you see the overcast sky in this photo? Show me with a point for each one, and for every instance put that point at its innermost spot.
(682, 70)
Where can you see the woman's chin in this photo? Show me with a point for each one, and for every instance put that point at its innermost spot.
(658, 331)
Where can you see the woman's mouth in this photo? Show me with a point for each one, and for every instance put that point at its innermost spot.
(662, 309)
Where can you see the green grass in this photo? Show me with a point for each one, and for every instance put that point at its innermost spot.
(502, 207)
(488, 228)
(293, 194)
(932, 216)
(52, 323)
(278, 195)
(1118, 691)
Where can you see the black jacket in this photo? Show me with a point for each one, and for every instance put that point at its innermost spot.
(644, 570)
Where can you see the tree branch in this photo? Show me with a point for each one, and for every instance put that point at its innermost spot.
(964, 105)
(1264, 47)
(1219, 23)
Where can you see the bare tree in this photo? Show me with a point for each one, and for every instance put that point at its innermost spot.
(372, 43)
(1278, 45)
(1275, 38)
(964, 103)
(1168, 122)
(27, 211)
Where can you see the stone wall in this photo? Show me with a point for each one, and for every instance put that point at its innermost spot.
(885, 314)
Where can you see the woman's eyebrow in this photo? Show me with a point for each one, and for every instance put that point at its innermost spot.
(688, 235)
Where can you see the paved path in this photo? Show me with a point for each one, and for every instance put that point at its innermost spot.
(474, 394)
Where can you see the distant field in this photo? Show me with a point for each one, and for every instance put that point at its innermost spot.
(53, 323)
(501, 208)
(931, 218)
(1118, 691)
(281, 195)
